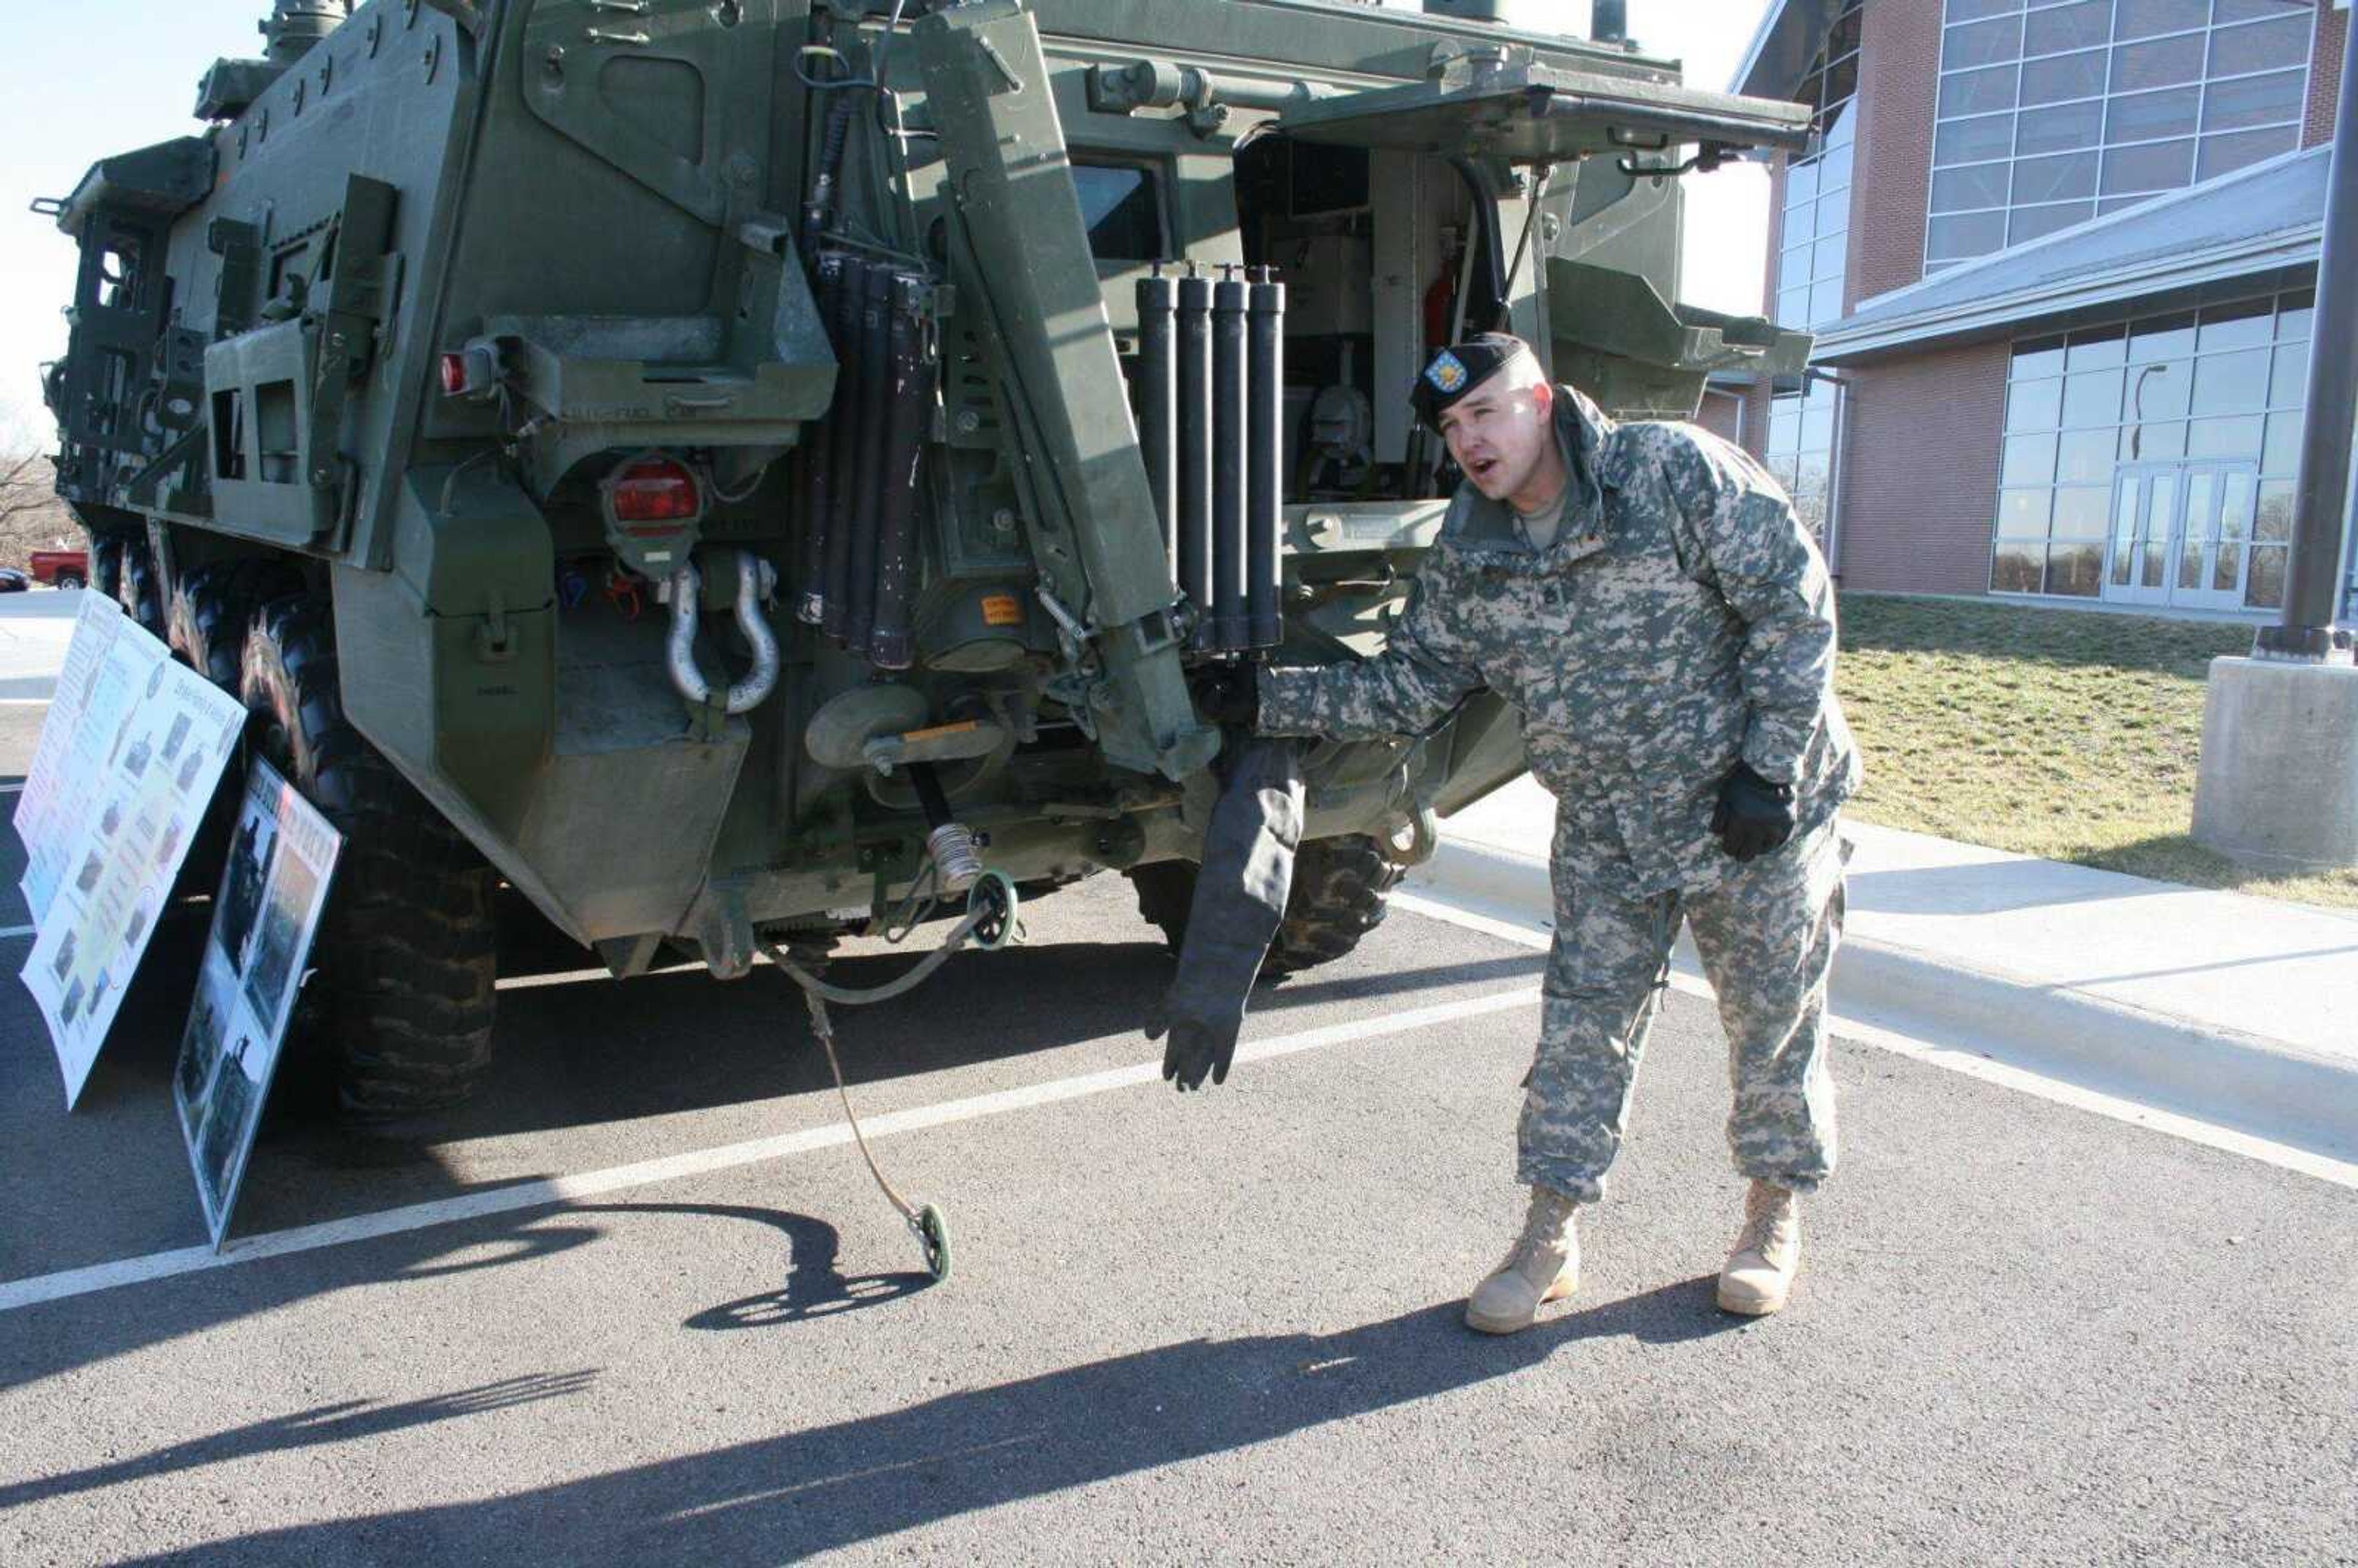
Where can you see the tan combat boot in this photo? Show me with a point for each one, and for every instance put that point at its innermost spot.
(1544, 1266)
(1767, 1253)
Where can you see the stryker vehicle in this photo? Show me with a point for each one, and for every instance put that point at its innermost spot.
(738, 470)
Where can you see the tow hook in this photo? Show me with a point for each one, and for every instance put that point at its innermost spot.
(757, 581)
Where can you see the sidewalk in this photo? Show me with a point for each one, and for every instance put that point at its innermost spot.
(2237, 1010)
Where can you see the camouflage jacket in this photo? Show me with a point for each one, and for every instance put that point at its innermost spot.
(1680, 619)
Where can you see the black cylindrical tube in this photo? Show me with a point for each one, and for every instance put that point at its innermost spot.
(1228, 464)
(875, 417)
(810, 576)
(1196, 446)
(1264, 454)
(896, 542)
(1158, 403)
(843, 441)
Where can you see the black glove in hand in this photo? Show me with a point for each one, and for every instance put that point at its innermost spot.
(1226, 695)
(1239, 901)
(1754, 817)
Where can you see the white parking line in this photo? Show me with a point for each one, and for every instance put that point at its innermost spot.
(16, 788)
(25, 701)
(18, 931)
(2285, 1156)
(559, 1190)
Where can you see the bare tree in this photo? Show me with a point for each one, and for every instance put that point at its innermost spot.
(31, 516)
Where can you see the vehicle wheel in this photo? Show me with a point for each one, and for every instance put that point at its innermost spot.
(106, 565)
(1165, 890)
(401, 1007)
(139, 593)
(68, 579)
(1339, 891)
(1340, 886)
(211, 610)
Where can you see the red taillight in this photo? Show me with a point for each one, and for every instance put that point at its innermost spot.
(472, 372)
(654, 490)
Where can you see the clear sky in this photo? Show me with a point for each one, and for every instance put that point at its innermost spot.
(83, 78)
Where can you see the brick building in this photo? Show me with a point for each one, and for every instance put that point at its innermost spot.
(2059, 257)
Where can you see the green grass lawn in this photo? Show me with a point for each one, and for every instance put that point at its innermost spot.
(2068, 735)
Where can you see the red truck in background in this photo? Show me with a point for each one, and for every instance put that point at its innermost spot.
(60, 568)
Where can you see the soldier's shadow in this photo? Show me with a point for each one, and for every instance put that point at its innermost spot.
(798, 1493)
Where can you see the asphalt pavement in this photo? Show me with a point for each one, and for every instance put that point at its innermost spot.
(1223, 1325)
(640, 1303)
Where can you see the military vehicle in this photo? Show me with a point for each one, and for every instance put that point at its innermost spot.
(735, 470)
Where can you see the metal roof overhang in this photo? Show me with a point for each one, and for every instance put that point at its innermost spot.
(1997, 312)
(2254, 220)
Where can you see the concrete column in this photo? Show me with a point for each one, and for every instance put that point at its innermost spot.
(2278, 784)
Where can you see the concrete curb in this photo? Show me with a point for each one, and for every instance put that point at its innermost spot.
(2270, 1088)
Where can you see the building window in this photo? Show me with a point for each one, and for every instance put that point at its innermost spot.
(2052, 113)
(1804, 427)
(2151, 460)
(1816, 234)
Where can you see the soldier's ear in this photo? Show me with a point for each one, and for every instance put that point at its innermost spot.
(1544, 397)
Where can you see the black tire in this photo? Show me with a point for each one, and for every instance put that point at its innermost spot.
(140, 590)
(206, 623)
(106, 565)
(68, 580)
(401, 1008)
(1165, 890)
(1340, 886)
(213, 607)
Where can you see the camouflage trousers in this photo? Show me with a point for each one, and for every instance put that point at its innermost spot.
(1767, 935)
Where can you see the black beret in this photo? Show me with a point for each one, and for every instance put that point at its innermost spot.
(1459, 369)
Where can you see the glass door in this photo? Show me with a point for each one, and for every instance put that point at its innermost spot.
(2216, 535)
(2181, 533)
(2145, 525)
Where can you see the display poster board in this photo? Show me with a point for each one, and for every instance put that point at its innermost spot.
(264, 916)
(129, 755)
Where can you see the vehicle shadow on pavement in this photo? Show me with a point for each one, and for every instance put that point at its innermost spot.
(806, 1492)
(1295, 991)
(574, 1055)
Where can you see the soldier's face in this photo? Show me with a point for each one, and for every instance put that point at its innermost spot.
(1500, 436)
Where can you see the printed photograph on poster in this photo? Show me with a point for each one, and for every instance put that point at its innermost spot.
(266, 916)
(270, 973)
(126, 767)
(242, 884)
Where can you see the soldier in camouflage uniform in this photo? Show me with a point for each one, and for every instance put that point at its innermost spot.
(1644, 594)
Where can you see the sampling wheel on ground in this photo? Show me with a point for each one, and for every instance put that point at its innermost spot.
(402, 1004)
(934, 1230)
(1340, 888)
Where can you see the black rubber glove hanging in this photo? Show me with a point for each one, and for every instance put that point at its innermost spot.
(1753, 815)
(1239, 899)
